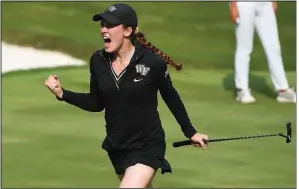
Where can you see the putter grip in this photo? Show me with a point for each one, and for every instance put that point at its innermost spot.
(185, 143)
(181, 143)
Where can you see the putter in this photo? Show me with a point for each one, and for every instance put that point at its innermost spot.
(288, 137)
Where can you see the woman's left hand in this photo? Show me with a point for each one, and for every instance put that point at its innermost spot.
(199, 140)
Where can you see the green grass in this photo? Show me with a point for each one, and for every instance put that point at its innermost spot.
(47, 143)
(198, 34)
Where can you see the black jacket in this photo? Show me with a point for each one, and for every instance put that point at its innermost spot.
(130, 101)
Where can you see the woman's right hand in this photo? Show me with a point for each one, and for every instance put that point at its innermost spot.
(234, 13)
(53, 84)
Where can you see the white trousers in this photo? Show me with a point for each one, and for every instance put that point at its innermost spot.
(259, 15)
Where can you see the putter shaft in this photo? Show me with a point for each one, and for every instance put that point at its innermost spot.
(288, 137)
(188, 142)
(244, 137)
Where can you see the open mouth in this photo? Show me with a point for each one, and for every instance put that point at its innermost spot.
(106, 39)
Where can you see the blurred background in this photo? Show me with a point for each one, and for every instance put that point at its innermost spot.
(48, 144)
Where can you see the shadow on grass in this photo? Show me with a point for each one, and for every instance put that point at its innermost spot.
(257, 84)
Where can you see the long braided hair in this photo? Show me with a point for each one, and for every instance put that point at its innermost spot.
(138, 37)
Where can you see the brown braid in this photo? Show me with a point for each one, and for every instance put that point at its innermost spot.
(139, 38)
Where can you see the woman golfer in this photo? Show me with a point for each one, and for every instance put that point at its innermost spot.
(125, 78)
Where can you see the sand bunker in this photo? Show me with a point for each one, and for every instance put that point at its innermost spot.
(15, 58)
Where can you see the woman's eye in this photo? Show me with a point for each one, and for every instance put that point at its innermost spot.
(107, 25)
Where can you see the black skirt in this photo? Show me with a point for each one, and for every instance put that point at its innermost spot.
(152, 155)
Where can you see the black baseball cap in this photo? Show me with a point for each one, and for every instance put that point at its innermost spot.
(117, 14)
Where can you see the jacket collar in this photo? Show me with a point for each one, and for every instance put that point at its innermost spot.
(138, 54)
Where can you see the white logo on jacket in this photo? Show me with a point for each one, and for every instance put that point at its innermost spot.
(143, 70)
(166, 73)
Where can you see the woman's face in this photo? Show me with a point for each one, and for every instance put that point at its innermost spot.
(114, 36)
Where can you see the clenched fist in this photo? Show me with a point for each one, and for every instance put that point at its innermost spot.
(54, 85)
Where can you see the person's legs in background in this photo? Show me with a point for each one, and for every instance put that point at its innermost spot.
(267, 30)
(244, 31)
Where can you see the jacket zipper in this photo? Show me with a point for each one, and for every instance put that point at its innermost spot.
(110, 71)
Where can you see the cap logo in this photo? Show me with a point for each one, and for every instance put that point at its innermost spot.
(112, 8)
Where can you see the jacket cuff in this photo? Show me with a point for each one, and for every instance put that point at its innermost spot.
(191, 133)
(63, 95)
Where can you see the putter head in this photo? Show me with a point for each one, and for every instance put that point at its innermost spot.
(289, 132)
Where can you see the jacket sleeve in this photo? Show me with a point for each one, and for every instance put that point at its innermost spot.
(86, 101)
(173, 100)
